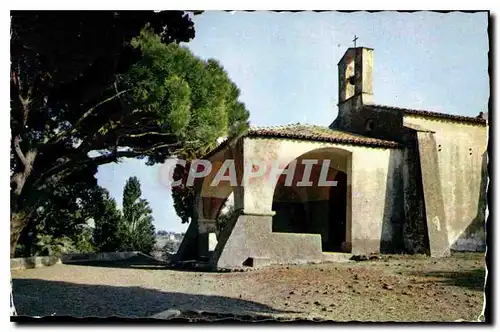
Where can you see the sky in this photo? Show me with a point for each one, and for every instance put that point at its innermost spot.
(285, 65)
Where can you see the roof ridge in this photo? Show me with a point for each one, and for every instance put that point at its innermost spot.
(290, 125)
(429, 113)
(319, 133)
(277, 126)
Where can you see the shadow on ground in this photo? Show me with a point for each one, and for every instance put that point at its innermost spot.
(35, 297)
(471, 279)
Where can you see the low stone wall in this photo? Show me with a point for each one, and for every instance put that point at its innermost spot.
(102, 256)
(251, 237)
(33, 262)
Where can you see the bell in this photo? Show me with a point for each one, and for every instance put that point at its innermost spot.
(351, 80)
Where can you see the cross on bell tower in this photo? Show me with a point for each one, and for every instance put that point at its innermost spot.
(354, 40)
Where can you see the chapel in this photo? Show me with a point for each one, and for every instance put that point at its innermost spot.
(408, 181)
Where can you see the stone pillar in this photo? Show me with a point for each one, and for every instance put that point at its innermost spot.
(188, 250)
(207, 241)
(414, 230)
(433, 195)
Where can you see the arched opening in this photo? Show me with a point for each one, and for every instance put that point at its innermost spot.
(213, 197)
(321, 207)
(290, 211)
(214, 194)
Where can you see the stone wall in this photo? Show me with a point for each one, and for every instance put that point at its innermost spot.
(250, 236)
(414, 229)
(431, 185)
(462, 168)
(42, 261)
(385, 124)
(33, 262)
(102, 256)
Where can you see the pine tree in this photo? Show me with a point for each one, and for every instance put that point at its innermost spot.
(107, 225)
(137, 229)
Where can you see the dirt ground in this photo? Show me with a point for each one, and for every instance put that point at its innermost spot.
(393, 288)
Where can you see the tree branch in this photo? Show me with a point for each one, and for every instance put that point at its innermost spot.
(147, 133)
(25, 101)
(15, 79)
(19, 152)
(73, 130)
(87, 114)
(100, 160)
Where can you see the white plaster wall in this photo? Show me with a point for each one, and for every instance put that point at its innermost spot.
(374, 201)
(460, 174)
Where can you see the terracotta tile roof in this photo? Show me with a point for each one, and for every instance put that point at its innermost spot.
(479, 119)
(318, 133)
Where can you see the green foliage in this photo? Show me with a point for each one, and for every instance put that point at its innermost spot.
(80, 99)
(47, 245)
(107, 225)
(169, 249)
(83, 241)
(137, 230)
(196, 97)
(228, 212)
(62, 226)
(183, 195)
(69, 97)
(131, 194)
(64, 214)
(192, 100)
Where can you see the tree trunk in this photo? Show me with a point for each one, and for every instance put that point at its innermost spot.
(19, 219)
(13, 311)
(17, 223)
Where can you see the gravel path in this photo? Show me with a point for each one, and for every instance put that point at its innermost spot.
(403, 288)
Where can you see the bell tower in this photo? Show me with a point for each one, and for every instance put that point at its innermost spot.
(356, 76)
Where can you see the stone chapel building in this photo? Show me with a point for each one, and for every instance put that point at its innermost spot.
(407, 181)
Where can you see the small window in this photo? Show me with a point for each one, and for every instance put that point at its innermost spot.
(369, 124)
